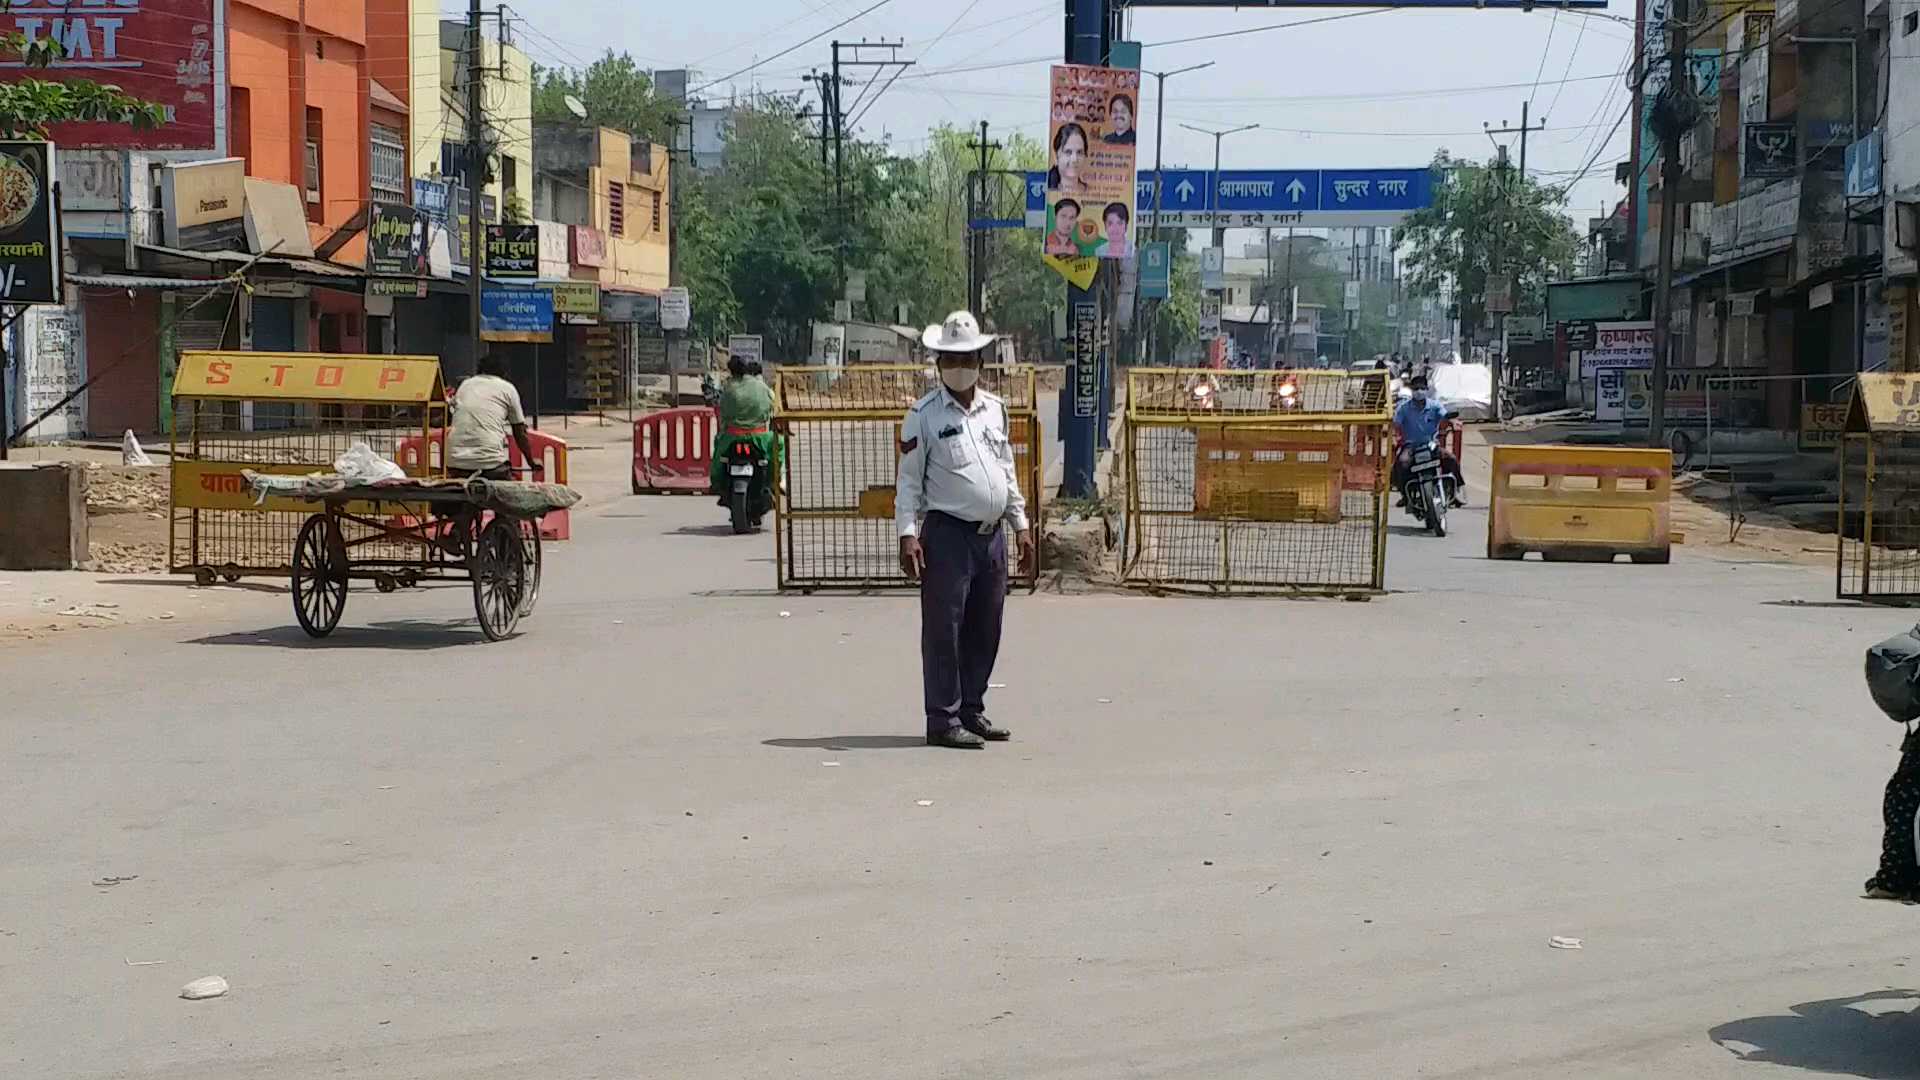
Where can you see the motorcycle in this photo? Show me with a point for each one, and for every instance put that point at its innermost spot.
(1428, 487)
(750, 491)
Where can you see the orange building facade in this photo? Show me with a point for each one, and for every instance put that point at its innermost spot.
(300, 103)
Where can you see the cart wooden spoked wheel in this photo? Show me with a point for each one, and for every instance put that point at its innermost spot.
(501, 583)
(319, 575)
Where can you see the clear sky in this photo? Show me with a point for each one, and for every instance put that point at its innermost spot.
(1377, 88)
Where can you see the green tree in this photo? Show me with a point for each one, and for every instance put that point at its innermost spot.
(29, 106)
(1486, 219)
(616, 93)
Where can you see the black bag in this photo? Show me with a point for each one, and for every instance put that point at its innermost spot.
(1893, 676)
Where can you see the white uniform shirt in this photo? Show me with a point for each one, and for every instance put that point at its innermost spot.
(958, 461)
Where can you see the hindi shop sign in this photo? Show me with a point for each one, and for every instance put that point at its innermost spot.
(516, 314)
(513, 252)
(1618, 345)
(169, 52)
(574, 297)
(1090, 179)
(29, 230)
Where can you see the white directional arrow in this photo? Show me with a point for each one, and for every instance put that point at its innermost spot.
(1185, 190)
(1296, 189)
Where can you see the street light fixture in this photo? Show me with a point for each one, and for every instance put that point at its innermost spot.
(1213, 191)
(1159, 139)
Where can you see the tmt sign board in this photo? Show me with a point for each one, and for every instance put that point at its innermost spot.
(170, 52)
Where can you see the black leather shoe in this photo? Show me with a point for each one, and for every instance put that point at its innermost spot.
(956, 738)
(984, 728)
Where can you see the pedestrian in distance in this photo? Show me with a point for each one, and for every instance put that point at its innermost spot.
(956, 490)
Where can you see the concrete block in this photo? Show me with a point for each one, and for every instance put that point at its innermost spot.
(43, 516)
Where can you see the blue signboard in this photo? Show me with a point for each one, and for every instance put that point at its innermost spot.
(1156, 271)
(1863, 167)
(511, 314)
(1257, 198)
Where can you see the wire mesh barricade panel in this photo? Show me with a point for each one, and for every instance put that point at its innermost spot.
(215, 524)
(1258, 480)
(841, 432)
(1880, 517)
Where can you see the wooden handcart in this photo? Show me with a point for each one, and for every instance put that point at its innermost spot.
(406, 533)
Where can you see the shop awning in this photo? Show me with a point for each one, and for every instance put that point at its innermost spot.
(137, 281)
(316, 268)
(1730, 264)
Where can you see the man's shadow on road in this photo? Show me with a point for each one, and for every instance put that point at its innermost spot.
(850, 742)
(1834, 1037)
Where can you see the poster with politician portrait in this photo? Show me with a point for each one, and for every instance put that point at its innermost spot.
(1090, 162)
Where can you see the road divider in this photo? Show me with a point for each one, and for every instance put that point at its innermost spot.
(1580, 503)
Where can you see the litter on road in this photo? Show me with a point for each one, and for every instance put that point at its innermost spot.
(1564, 943)
(212, 986)
(924, 802)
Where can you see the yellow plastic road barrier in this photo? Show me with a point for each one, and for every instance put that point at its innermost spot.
(1578, 503)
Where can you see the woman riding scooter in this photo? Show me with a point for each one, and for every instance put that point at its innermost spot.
(746, 413)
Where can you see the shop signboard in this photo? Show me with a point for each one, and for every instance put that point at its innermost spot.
(1821, 426)
(396, 240)
(676, 309)
(510, 313)
(29, 229)
(169, 52)
(203, 205)
(513, 252)
(1620, 345)
(574, 297)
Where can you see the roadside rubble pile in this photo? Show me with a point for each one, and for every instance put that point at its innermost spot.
(127, 558)
(126, 490)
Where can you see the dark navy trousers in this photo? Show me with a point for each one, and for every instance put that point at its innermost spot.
(963, 592)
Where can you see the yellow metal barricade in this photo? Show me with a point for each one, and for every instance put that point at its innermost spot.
(289, 413)
(840, 429)
(1256, 480)
(1580, 503)
(1879, 514)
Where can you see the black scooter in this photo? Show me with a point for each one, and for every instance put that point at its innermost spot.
(750, 489)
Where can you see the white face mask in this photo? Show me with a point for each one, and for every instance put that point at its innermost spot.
(959, 379)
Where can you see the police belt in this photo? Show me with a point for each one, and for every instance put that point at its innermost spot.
(984, 528)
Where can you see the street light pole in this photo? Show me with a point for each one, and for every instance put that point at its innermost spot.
(1159, 137)
(1213, 187)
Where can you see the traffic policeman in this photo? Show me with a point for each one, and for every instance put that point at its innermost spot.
(957, 488)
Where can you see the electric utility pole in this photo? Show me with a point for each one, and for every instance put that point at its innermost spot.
(1678, 81)
(877, 56)
(476, 172)
(976, 231)
(1501, 227)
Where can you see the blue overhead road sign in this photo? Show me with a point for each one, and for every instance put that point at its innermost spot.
(1259, 198)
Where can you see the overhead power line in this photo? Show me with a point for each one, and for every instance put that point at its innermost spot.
(791, 48)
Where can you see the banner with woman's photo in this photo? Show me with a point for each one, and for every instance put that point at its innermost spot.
(1090, 162)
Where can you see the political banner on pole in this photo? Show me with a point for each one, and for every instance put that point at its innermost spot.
(1090, 175)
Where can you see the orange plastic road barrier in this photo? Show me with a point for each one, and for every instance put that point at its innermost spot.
(1579, 503)
(673, 451)
(428, 457)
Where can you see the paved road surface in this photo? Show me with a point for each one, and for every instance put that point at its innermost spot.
(670, 832)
